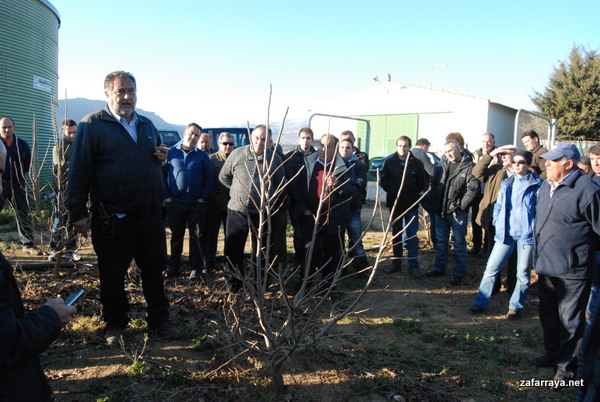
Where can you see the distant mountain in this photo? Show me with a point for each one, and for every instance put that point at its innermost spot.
(77, 108)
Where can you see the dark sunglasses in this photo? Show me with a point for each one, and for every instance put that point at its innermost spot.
(519, 162)
(228, 143)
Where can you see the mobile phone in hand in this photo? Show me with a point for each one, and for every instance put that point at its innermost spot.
(74, 297)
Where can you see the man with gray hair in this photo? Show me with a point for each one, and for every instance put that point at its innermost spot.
(566, 224)
(241, 174)
(116, 164)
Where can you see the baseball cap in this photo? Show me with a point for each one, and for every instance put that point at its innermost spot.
(561, 150)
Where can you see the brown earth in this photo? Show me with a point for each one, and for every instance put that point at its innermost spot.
(410, 340)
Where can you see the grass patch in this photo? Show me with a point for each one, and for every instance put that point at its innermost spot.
(86, 326)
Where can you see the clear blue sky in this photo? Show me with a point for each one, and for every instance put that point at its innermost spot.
(212, 61)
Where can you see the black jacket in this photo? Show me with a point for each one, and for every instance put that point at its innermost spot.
(107, 164)
(455, 192)
(339, 205)
(23, 336)
(416, 180)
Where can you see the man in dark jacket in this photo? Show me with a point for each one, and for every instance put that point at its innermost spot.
(17, 165)
(116, 162)
(568, 219)
(23, 336)
(421, 152)
(217, 201)
(354, 228)
(323, 191)
(454, 193)
(403, 178)
(531, 141)
(63, 238)
(293, 162)
(189, 182)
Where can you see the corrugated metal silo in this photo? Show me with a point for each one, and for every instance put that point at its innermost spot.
(29, 73)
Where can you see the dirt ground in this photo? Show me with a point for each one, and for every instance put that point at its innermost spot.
(409, 340)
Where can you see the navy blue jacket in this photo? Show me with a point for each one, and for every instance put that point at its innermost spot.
(502, 209)
(189, 177)
(23, 336)
(18, 161)
(114, 170)
(564, 239)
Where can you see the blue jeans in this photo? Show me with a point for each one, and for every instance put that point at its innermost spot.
(410, 223)
(427, 203)
(354, 232)
(498, 257)
(594, 293)
(457, 222)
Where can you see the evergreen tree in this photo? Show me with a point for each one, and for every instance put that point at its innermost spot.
(572, 96)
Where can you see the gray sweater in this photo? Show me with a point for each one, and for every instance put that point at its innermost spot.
(240, 174)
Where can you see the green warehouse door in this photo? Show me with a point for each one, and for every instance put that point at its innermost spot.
(385, 129)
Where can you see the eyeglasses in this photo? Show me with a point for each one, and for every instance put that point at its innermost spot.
(228, 143)
(519, 162)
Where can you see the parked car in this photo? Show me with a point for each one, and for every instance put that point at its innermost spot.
(169, 137)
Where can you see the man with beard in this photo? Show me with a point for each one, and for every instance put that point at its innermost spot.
(116, 164)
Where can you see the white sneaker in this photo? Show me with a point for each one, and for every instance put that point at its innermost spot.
(74, 256)
(52, 255)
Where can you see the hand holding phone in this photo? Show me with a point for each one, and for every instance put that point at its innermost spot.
(74, 297)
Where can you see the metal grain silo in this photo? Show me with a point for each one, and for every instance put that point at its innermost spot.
(29, 74)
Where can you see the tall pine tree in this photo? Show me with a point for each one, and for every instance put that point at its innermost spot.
(572, 96)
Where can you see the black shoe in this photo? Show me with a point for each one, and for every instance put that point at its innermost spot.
(112, 336)
(542, 361)
(474, 251)
(513, 314)
(167, 331)
(455, 281)
(172, 272)
(392, 269)
(414, 272)
(475, 309)
(434, 273)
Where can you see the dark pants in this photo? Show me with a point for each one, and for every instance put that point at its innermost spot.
(239, 224)
(63, 236)
(119, 240)
(14, 193)
(327, 249)
(476, 229)
(428, 204)
(562, 315)
(296, 220)
(182, 214)
(212, 224)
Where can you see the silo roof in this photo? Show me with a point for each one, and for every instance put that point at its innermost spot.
(52, 8)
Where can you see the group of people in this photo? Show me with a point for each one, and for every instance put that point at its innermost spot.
(117, 179)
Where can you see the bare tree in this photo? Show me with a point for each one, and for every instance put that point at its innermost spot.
(285, 310)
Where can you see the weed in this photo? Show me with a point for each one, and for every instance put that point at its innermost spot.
(408, 326)
(138, 323)
(349, 320)
(85, 326)
(138, 367)
(199, 343)
(173, 377)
